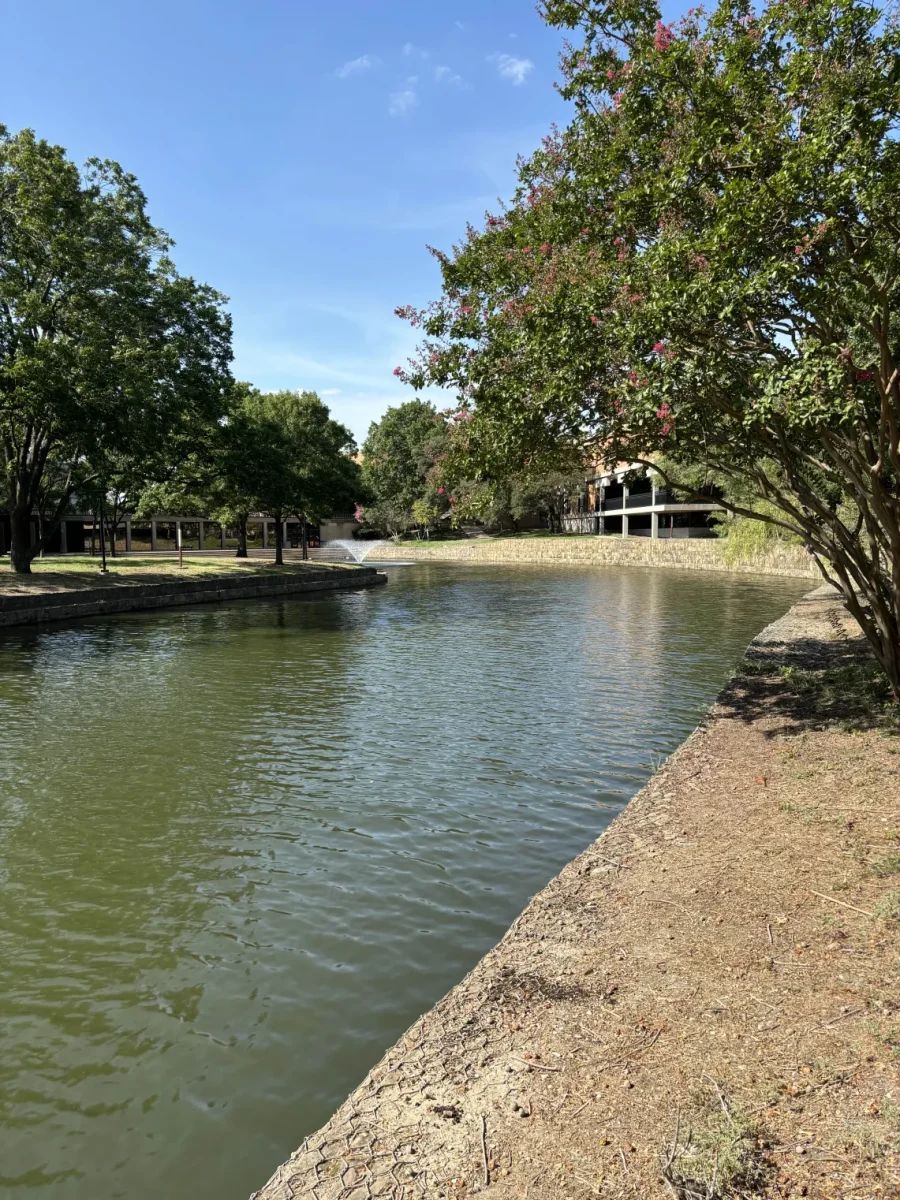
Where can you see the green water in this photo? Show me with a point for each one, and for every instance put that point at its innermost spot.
(243, 847)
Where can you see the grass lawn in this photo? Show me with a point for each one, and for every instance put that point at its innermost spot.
(76, 571)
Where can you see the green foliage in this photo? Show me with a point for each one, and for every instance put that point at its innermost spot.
(747, 538)
(400, 460)
(717, 1159)
(290, 458)
(109, 360)
(703, 266)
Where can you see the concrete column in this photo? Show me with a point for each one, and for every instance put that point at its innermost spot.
(624, 518)
(265, 526)
(152, 535)
(201, 523)
(284, 540)
(654, 525)
(128, 534)
(63, 541)
(222, 533)
(624, 526)
(177, 534)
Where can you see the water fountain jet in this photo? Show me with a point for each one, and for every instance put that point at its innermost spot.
(358, 551)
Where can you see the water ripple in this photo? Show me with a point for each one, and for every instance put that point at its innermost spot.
(241, 848)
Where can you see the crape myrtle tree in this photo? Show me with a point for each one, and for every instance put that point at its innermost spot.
(401, 457)
(704, 266)
(105, 351)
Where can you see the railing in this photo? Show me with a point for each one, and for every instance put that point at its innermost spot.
(651, 500)
(639, 500)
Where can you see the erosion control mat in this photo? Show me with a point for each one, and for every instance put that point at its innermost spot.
(706, 1003)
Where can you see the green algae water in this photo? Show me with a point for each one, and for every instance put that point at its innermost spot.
(243, 847)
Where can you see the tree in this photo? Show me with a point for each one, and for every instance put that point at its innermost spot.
(703, 265)
(293, 459)
(104, 349)
(401, 456)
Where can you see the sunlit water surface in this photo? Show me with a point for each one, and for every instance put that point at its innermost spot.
(243, 847)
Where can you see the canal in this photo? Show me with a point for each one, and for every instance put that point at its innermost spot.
(243, 847)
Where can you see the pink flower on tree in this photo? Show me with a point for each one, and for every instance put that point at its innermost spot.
(664, 37)
(664, 413)
(440, 491)
(659, 347)
(398, 371)
(595, 320)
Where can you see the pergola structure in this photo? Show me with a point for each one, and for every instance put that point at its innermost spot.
(162, 533)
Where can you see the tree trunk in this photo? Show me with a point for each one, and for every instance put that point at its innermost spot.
(304, 539)
(20, 552)
(242, 535)
(279, 540)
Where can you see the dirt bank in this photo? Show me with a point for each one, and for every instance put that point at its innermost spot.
(704, 1003)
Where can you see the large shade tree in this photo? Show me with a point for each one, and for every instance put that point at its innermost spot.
(291, 458)
(107, 354)
(704, 266)
(401, 457)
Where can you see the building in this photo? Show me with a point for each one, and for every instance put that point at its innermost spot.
(642, 509)
(78, 534)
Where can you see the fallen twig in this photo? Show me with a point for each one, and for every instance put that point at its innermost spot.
(725, 1109)
(540, 1066)
(487, 1174)
(843, 903)
(715, 1174)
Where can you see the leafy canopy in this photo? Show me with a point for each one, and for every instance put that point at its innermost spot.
(703, 266)
(106, 352)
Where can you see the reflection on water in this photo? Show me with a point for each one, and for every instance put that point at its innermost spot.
(241, 848)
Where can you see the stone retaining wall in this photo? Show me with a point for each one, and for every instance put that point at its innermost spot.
(25, 609)
(707, 554)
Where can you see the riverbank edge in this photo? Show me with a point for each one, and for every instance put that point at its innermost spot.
(446, 1112)
(701, 554)
(41, 607)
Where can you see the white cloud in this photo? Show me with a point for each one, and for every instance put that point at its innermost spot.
(402, 103)
(516, 70)
(364, 63)
(330, 392)
(445, 75)
(412, 51)
(459, 24)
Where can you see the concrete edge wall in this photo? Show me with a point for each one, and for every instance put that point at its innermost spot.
(62, 606)
(681, 553)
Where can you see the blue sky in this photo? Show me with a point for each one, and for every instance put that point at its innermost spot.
(301, 154)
